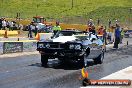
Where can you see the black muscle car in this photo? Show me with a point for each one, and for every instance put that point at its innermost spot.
(72, 45)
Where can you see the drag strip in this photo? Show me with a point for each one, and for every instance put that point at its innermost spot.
(26, 71)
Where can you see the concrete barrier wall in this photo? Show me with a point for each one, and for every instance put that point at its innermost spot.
(17, 46)
(12, 47)
(29, 46)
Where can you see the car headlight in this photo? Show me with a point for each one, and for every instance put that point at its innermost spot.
(71, 46)
(47, 45)
(40, 45)
(77, 47)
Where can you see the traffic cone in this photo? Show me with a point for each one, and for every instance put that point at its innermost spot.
(5, 36)
(37, 37)
(19, 32)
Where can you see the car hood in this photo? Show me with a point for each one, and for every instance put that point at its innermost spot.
(64, 39)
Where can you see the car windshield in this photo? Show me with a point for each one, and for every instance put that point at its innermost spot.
(66, 33)
(82, 37)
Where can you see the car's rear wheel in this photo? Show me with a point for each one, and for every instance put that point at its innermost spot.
(44, 60)
(99, 59)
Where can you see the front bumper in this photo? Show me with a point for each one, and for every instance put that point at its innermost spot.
(61, 53)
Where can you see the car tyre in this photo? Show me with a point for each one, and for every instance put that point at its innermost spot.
(44, 60)
(99, 59)
(83, 62)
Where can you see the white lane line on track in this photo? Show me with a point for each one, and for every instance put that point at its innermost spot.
(121, 74)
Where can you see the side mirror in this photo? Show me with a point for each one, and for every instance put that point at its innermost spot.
(93, 39)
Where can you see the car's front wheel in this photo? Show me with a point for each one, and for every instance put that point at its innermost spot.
(83, 61)
(44, 60)
(99, 59)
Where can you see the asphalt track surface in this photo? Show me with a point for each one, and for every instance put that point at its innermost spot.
(26, 71)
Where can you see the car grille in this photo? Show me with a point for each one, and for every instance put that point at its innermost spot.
(57, 45)
(54, 45)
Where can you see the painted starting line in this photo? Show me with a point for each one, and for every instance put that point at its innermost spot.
(124, 74)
